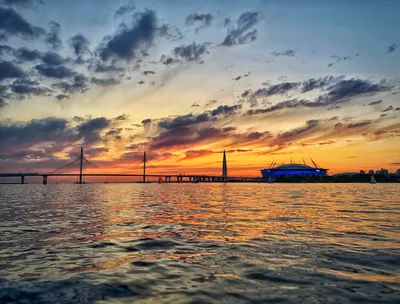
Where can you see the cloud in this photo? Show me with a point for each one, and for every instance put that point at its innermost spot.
(354, 87)
(6, 50)
(122, 117)
(146, 122)
(288, 53)
(145, 73)
(191, 154)
(2, 103)
(101, 68)
(225, 110)
(53, 36)
(392, 48)
(276, 89)
(194, 105)
(105, 81)
(79, 44)
(389, 108)
(294, 133)
(8, 71)
(13, 24)
(183, 120)
(28, 87)
(240, 32)
(52, 71)
(78, 83)
(51, 58)
(23, 54)
(359, 124)
(129, 41)
(202, 20)
(95, 152)
(90, 129)
(319, 83)
(62, 97)
(21, 3)
(375, 102)
(122, 10)
(191, 52)
(35, 131)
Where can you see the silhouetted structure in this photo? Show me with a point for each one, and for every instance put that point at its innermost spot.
(224, 167)
(81, 166)
(144, 166)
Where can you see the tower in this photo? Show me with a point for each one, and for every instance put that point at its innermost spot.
(144, 166)
(81, 166)
(224, 166)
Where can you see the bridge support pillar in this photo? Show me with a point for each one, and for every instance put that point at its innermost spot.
(22, 179)
(44, 179)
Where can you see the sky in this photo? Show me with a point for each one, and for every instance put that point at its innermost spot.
(185, 80)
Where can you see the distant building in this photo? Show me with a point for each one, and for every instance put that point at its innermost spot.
(362, 172)
(290, 170)
(371, 172)
(382, 172)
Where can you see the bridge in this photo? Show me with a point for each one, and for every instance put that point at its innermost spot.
(76, 169)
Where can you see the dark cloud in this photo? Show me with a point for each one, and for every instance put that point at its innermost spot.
(191, 52)
(389, 108)
(6, 50)
(211, 102)
(80, 44)
(141, 82)
(288, 53)
(13, 24)
(122, 10)
(354, 87)
(145, 73)
(78, 83)
(392, 48)
(62, 97)
(28, 87)
(194, 105)
(95, 152)
(2, 103)
(201, 20)
(167, 60)
(280, 88)
(359, 124)
(90, 129)
(319, 83)
(375, 102)
(102, 68)
(150, 156)
(129, 41)
(21, 3)
(225, 110)
(9, 70)
(240, 32)
(24, 54)
(122, 117)
(146, 122)
(52, 71)
(53, 36)
(310, 124)
(183, 120)
(51, 58)
(288, 104)
(13, 136)
(104, 82)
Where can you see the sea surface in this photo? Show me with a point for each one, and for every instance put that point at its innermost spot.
(200, 243)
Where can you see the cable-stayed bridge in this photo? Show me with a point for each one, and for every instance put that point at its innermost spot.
(77, 168)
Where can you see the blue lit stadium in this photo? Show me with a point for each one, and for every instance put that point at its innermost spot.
(293, 170)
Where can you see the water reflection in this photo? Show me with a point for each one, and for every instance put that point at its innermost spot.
(202, 242)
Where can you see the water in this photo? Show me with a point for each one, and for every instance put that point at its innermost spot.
(200, 243)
